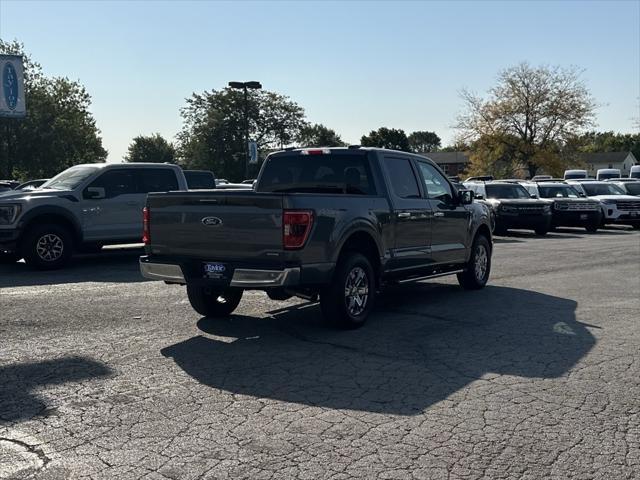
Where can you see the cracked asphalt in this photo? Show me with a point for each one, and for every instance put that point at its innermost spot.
(104, 375)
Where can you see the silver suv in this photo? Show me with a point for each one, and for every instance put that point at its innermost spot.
(81, 209)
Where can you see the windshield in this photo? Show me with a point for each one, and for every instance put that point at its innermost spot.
(558, 191)
(70, 178)
(635, 174)
(604, 176)
(594, 189)
(506, 191)
(199, 180)
(569, 176)
(632, 188)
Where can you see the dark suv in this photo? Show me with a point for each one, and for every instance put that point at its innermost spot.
(514, 206)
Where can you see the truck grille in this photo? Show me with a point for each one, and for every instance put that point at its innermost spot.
(530, 209)
(576, 206)
(628, 205)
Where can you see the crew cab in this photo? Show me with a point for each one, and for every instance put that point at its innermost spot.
(617, 207)
(569, 207)
(81, 209)
(333, 223)
(513, 206)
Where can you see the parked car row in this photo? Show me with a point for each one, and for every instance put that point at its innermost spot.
(548, 203)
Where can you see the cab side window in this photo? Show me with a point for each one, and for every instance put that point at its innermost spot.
(436, 186)
(403, 180)
(157, 180)
(116, 182)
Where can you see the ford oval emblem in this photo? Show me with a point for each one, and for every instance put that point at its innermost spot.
(211, 221)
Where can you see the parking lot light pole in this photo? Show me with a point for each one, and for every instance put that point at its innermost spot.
(244, 86)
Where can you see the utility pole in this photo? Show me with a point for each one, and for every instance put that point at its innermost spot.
(244, 86)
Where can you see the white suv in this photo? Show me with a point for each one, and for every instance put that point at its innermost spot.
(617, 206)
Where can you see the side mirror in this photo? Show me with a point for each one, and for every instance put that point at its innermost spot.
(466, 197)
(478, 196)
(580, 194)
(95, 193)
(533, 195)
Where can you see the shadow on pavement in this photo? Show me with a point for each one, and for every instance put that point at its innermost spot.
(110, 265)
(17, 399)
(425, 342)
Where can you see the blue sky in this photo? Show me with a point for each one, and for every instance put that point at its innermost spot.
(354, 66)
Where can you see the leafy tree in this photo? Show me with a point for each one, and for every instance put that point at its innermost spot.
(610, 142)
(317, 135)
(152, 148)
(213, 133)
(391, 138)
(533, 109)
(424, 141)
(58, 130)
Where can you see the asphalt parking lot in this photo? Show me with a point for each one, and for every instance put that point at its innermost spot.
(105, 375)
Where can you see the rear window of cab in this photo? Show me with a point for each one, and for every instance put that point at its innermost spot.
(321, 173)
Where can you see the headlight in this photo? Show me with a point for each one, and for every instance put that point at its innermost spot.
(609, 201)
(506, 208)
(546, 208)
(8, 214)
(560, 206)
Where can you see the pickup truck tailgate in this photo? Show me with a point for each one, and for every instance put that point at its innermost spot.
(229, 225)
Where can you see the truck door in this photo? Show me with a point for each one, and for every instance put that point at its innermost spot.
(411, 215)
(450, 225)
(115, 214)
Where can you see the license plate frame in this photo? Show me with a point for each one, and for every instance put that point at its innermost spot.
(216, 270)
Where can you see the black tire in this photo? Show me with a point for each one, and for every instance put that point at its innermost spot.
(636, 226)
(355, 273)
(501, 231)
(542, 230)
(592, 227)
(476, 278)
(211, 302)
(47, 247)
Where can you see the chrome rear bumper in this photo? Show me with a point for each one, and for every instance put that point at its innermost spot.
(242, 278)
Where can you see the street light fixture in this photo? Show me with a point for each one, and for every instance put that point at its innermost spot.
(244, 86)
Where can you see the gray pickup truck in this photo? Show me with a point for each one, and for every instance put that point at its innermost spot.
(80, 209)
(333, 223)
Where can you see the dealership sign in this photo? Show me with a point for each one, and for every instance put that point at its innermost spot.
(12, 86)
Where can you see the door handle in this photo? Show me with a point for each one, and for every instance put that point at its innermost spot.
(404, 215)
(438, 214)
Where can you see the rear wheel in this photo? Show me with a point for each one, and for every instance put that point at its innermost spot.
(592, 228)
(477, 270)
(542, 230)
(500, 231)
(348, 301)
(636, 226)
(214, 302)
(47, 247)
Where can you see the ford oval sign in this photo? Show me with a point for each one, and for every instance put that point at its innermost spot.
(211, 221)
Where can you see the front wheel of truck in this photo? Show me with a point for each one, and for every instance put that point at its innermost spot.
(212, 302)
(349, 299)
(476, 273)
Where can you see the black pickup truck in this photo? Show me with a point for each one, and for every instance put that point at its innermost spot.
(333, 223)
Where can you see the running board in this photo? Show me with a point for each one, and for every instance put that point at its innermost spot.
(426, 277)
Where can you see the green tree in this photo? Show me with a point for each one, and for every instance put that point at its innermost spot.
(424, 141)
(534, 109)
(317, 135)
(58, 130)
(213, 130)
(152, 148)
(391, 138)
(610, 142)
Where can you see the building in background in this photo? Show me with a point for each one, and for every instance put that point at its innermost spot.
(453, 163)
(623, 161)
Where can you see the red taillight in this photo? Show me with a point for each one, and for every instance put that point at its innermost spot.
(296, 225)
(146, 218)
